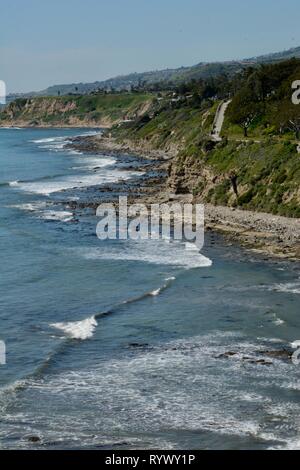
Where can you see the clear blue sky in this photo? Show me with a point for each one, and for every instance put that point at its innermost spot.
(65, 41)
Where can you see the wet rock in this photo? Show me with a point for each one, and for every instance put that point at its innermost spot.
(249, 360)
(261, 362)
(284, 354)
(34, 439)
(227, 355)
(138, 345)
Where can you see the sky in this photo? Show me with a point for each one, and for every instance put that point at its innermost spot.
(44, 43)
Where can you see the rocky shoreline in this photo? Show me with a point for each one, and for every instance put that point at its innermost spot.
(263, 233)
(99, 143)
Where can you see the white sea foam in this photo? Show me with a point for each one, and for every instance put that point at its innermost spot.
(7, 393)
(90, 133)
(92, 163)
(138, 391)
(78, 330)
(54, 144)
(96, 175)
(271, 340)
(74, 152)
(13, 184)
(72, 182)
(48, 140)
(59, 142)
(63, 216)
(31, 206)
(149, 251)
(39, 209)
(156, 292)
(11, 128)
(191, 247)
(292, 385)
(55, 147)
(202, 403)
(289, 287)
(277, 320)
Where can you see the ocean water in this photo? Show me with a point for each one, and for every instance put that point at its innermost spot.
(120, 344)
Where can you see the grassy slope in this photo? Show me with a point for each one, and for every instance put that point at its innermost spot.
(267, 176)
(267, 173)
(180, 125)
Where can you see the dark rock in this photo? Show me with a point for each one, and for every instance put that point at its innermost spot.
(261, 362)
(34, 439)
(247, 359)
(138, 345)
(278, 354)
(226, 355)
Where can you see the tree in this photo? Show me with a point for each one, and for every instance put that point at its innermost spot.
(294, 125)
(244, 110)
(288, 118)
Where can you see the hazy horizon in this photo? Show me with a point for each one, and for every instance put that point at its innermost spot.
(58, 44)
(146, 71)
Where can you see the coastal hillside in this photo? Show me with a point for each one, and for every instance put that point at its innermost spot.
(253, 164)
(256, 164)
(101, 110)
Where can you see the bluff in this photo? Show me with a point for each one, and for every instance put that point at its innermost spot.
(101, 110)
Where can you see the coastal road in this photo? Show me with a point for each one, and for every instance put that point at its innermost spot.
(219, 120)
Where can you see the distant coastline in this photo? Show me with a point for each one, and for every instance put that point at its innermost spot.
(231, 144)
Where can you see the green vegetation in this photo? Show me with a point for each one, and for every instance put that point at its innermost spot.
(262, 174)
(262, 106)
(256, 165)
(169, 125)
(267, 176)
(64, 110)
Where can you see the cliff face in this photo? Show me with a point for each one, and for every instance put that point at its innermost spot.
(261, 176)
(36, 112)
(74, 111)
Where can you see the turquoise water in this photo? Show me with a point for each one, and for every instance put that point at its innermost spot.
(117, 344)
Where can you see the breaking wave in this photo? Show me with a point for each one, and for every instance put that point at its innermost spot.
(149, 251)
(81, 330)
